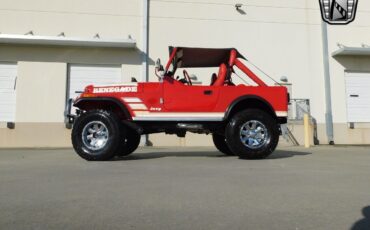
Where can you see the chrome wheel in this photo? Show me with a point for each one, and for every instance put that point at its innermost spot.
(254, 134)
(95, 135)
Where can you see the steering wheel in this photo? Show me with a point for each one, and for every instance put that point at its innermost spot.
(186, 75)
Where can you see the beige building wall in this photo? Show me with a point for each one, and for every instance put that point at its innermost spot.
(282, 37)
(43, 70)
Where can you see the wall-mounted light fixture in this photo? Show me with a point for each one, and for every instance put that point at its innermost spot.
(284, 79)
(238, 6)
(340, 46)
(29, 33)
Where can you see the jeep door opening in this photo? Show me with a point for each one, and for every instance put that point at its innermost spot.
(244, 120)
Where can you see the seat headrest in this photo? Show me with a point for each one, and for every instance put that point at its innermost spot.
(222, 71)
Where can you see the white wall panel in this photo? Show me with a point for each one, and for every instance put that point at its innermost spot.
(8, 75)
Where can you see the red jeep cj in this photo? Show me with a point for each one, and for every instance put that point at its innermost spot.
(243, 120)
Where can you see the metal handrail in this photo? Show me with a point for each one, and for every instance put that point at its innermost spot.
(297, 108)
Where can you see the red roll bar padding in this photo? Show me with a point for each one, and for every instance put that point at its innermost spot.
(171, 59)
(248, 72)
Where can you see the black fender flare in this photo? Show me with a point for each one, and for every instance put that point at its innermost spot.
(248, 97)
(78, 103)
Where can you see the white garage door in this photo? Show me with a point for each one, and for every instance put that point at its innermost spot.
(358, 97)
(82, 75)
(8, 77)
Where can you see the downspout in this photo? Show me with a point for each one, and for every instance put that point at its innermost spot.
(145, 41)
(144, 53)
(328, 113)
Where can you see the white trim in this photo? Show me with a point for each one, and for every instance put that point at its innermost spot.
(143, 118)
(181, 114)
(132, 99)
(138, 106)
(147, 116)
(66, 41)
(282, 113)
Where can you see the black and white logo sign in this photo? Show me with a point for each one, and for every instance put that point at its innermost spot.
(338, 12)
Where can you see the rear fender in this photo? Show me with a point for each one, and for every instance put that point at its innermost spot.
(249, 101)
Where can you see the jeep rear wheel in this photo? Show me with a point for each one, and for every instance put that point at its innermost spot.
(96, 135)
(221, 145)
(129, 144)
(252, 134)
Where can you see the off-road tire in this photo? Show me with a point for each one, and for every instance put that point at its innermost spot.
(112, 123)
(130, 142)
(234, 139)
(221, 145)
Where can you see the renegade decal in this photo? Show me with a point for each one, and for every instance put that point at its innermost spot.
(122, 89)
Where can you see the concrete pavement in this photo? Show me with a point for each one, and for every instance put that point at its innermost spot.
(186, 188)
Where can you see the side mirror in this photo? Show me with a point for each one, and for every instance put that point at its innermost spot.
(159, 71)
(158, 65)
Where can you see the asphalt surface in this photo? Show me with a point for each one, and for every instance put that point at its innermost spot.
(186, 188)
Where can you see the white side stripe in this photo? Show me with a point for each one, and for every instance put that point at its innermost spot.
(151, 116)
(179, 114)
(147, 116)
(138, 106)
(132, 99)
(177, 118)
(281, 113)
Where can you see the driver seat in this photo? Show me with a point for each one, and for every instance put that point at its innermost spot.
(222, 72)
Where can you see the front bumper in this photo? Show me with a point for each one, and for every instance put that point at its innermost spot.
(69, 118)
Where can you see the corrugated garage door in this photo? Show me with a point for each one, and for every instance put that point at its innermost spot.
(8, 77)
(82, 75)
(358, 97)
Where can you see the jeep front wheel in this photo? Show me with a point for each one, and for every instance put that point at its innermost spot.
(252, 134)
(96, 135)
(129, 144)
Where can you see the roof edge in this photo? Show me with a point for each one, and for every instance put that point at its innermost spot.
(66, 41)
(351, 51)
